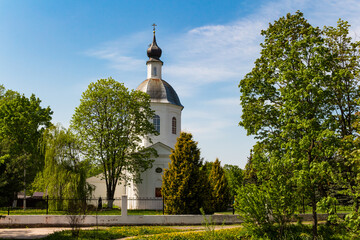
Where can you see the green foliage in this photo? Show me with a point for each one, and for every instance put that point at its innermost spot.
(219, 187)
(185, 187)
(110, 123)
(22, 121)
(64, 175)
(299, 100)
(345, 94)
(235, 178)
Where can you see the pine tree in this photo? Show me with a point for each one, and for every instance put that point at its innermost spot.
(185, 186)
(219, 187)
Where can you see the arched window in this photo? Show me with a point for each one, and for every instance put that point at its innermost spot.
(156, 122)
(154, 72)
(173, 128)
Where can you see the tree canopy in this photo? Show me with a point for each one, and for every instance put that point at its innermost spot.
(110, 123)
(299, 100)
(185, 188)
(22, 121)
(220, 190)
(64, 175)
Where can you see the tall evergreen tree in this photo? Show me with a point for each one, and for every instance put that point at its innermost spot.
(219, 187)
(185, 186)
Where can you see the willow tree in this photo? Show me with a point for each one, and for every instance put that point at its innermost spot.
(65, 172)
(288, 107)
(110, 123)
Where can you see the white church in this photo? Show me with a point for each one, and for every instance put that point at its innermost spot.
(167, 121)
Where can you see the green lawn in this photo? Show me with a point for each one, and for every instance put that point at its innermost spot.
(112, 232)
(301, 232)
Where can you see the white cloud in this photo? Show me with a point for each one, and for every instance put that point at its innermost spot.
(119, 53)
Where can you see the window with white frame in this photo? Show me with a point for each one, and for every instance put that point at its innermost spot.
(156, 122)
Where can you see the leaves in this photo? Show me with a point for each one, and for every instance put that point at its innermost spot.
(300, 101)
(185, 187)
(22, 121)
(110, 123)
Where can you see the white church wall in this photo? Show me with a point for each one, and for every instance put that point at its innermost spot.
(151, 179)
(100, 190)
(166, 112)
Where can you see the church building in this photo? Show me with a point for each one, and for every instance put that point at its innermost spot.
(167, 121)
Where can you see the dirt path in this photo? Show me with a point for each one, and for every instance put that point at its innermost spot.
(29, 233)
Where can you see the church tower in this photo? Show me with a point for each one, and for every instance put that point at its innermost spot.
(167, 121)
(164, 100)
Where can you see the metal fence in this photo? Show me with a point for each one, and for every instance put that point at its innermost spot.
(94, 206)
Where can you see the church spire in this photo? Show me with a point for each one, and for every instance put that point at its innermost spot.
(154, 51)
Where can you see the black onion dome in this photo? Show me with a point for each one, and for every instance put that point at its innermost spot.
(154, 51)
(159, 91)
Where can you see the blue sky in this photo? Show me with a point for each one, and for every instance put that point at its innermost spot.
(56, 48)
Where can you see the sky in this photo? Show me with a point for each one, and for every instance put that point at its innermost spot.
(54, 49)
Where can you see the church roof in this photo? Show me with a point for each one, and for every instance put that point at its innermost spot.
(159, 91)
(154, 51)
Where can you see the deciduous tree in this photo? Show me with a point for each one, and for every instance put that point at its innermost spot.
(235, 178)
(22, 121)
(286, 103)
(110, 123)
(64, 175)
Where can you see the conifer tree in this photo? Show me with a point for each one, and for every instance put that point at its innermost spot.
(219, 187)
(185, 185)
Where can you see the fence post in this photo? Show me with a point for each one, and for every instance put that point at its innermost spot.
(8, 211)
(47, 204)
(163, 207)
(124, 205)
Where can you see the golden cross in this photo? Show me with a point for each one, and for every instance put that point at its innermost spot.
(154, 25)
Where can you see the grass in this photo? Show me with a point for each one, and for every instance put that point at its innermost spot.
(228, 234)
(113, 232)
(293, 231)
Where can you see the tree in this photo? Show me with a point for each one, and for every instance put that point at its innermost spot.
(272, 198)
(22, 121)
(345, 93)
(235, 178)
(64, 175)
(110, 123)
(185, 186)
(287, 105)
(219, 187)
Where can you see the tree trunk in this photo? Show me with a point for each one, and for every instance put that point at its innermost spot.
(110, 197)
(315, 220)
(24, 201)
